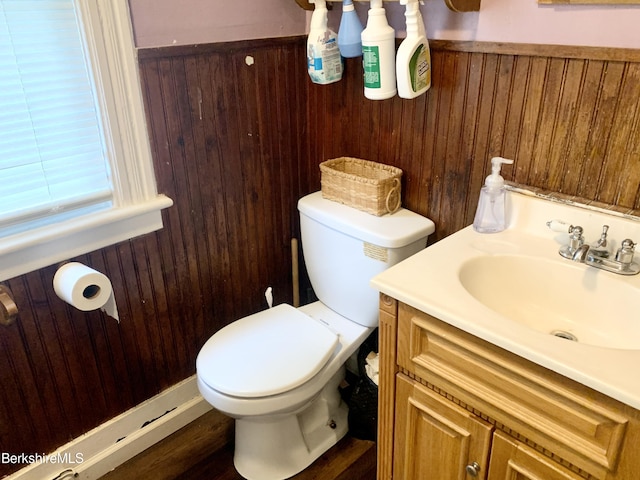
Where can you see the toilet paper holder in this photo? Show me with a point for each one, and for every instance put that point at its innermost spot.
(8, 308)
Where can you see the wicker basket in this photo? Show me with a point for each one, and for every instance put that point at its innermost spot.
(368, 186)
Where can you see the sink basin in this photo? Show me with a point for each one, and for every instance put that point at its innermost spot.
(557, 298)
(513, 290)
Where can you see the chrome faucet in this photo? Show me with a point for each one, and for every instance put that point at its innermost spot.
(580, 255)
(596, 254)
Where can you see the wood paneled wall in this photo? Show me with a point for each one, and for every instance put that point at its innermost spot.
(568, 116)
(236, 143)
(226, 139)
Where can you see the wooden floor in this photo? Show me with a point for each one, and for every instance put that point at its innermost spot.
(203, 450)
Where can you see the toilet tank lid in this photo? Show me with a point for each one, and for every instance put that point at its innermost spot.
(391, 231)
(267, 353)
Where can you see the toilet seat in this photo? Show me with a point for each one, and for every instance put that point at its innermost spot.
(266, 353)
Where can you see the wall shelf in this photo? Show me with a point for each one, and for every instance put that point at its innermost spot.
(455, 5)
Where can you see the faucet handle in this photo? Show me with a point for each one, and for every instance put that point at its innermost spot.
(559, 226)
(625, 253)
(576, 232)
(576, 240)
(627, 243)
(564, 227)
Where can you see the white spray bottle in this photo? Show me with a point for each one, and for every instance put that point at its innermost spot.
(324, 62)
(490, 214)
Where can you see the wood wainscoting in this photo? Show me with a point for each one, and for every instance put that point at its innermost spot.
(226, 140)
(569, 116)
(237, 134)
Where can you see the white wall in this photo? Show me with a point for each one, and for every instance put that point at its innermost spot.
(159, 23)
(185, 22)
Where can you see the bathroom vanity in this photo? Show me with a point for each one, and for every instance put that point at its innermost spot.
(502, 360)
(452, 405)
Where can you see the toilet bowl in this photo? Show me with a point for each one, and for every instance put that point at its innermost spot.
(279, 434)
(277, 372)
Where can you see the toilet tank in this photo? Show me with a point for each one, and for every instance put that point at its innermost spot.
(344, 248)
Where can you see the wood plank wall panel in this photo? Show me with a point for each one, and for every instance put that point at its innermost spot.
(568, 116)
(226, 140)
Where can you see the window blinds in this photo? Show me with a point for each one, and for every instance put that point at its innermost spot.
(52, 154)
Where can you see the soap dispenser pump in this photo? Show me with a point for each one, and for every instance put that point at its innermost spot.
(490, 215)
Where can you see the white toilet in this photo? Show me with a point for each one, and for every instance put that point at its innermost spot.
(277, 372)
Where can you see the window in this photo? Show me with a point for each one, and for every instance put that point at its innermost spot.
(75, 166)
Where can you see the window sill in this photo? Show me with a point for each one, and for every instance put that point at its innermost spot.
(39, 248)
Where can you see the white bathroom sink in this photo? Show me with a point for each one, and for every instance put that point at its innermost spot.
(558, 298)
(514, 290)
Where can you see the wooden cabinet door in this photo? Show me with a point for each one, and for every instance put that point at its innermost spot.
(513, 460)
(435, 439)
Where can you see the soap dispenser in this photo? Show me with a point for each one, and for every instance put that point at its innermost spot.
(490, 215)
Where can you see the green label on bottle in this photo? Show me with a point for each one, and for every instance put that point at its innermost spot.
(419, 70)
(371, 66)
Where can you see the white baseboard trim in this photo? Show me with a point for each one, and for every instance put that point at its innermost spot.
(114, 442)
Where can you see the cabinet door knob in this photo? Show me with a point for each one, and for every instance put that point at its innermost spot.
(473, 469)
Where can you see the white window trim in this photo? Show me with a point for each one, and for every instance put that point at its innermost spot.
(137, 205)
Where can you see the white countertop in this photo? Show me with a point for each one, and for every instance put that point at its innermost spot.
(429, 281)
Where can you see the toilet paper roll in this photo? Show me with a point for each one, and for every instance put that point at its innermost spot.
(85, 288)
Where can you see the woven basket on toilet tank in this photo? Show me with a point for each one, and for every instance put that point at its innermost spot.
(368, 186)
